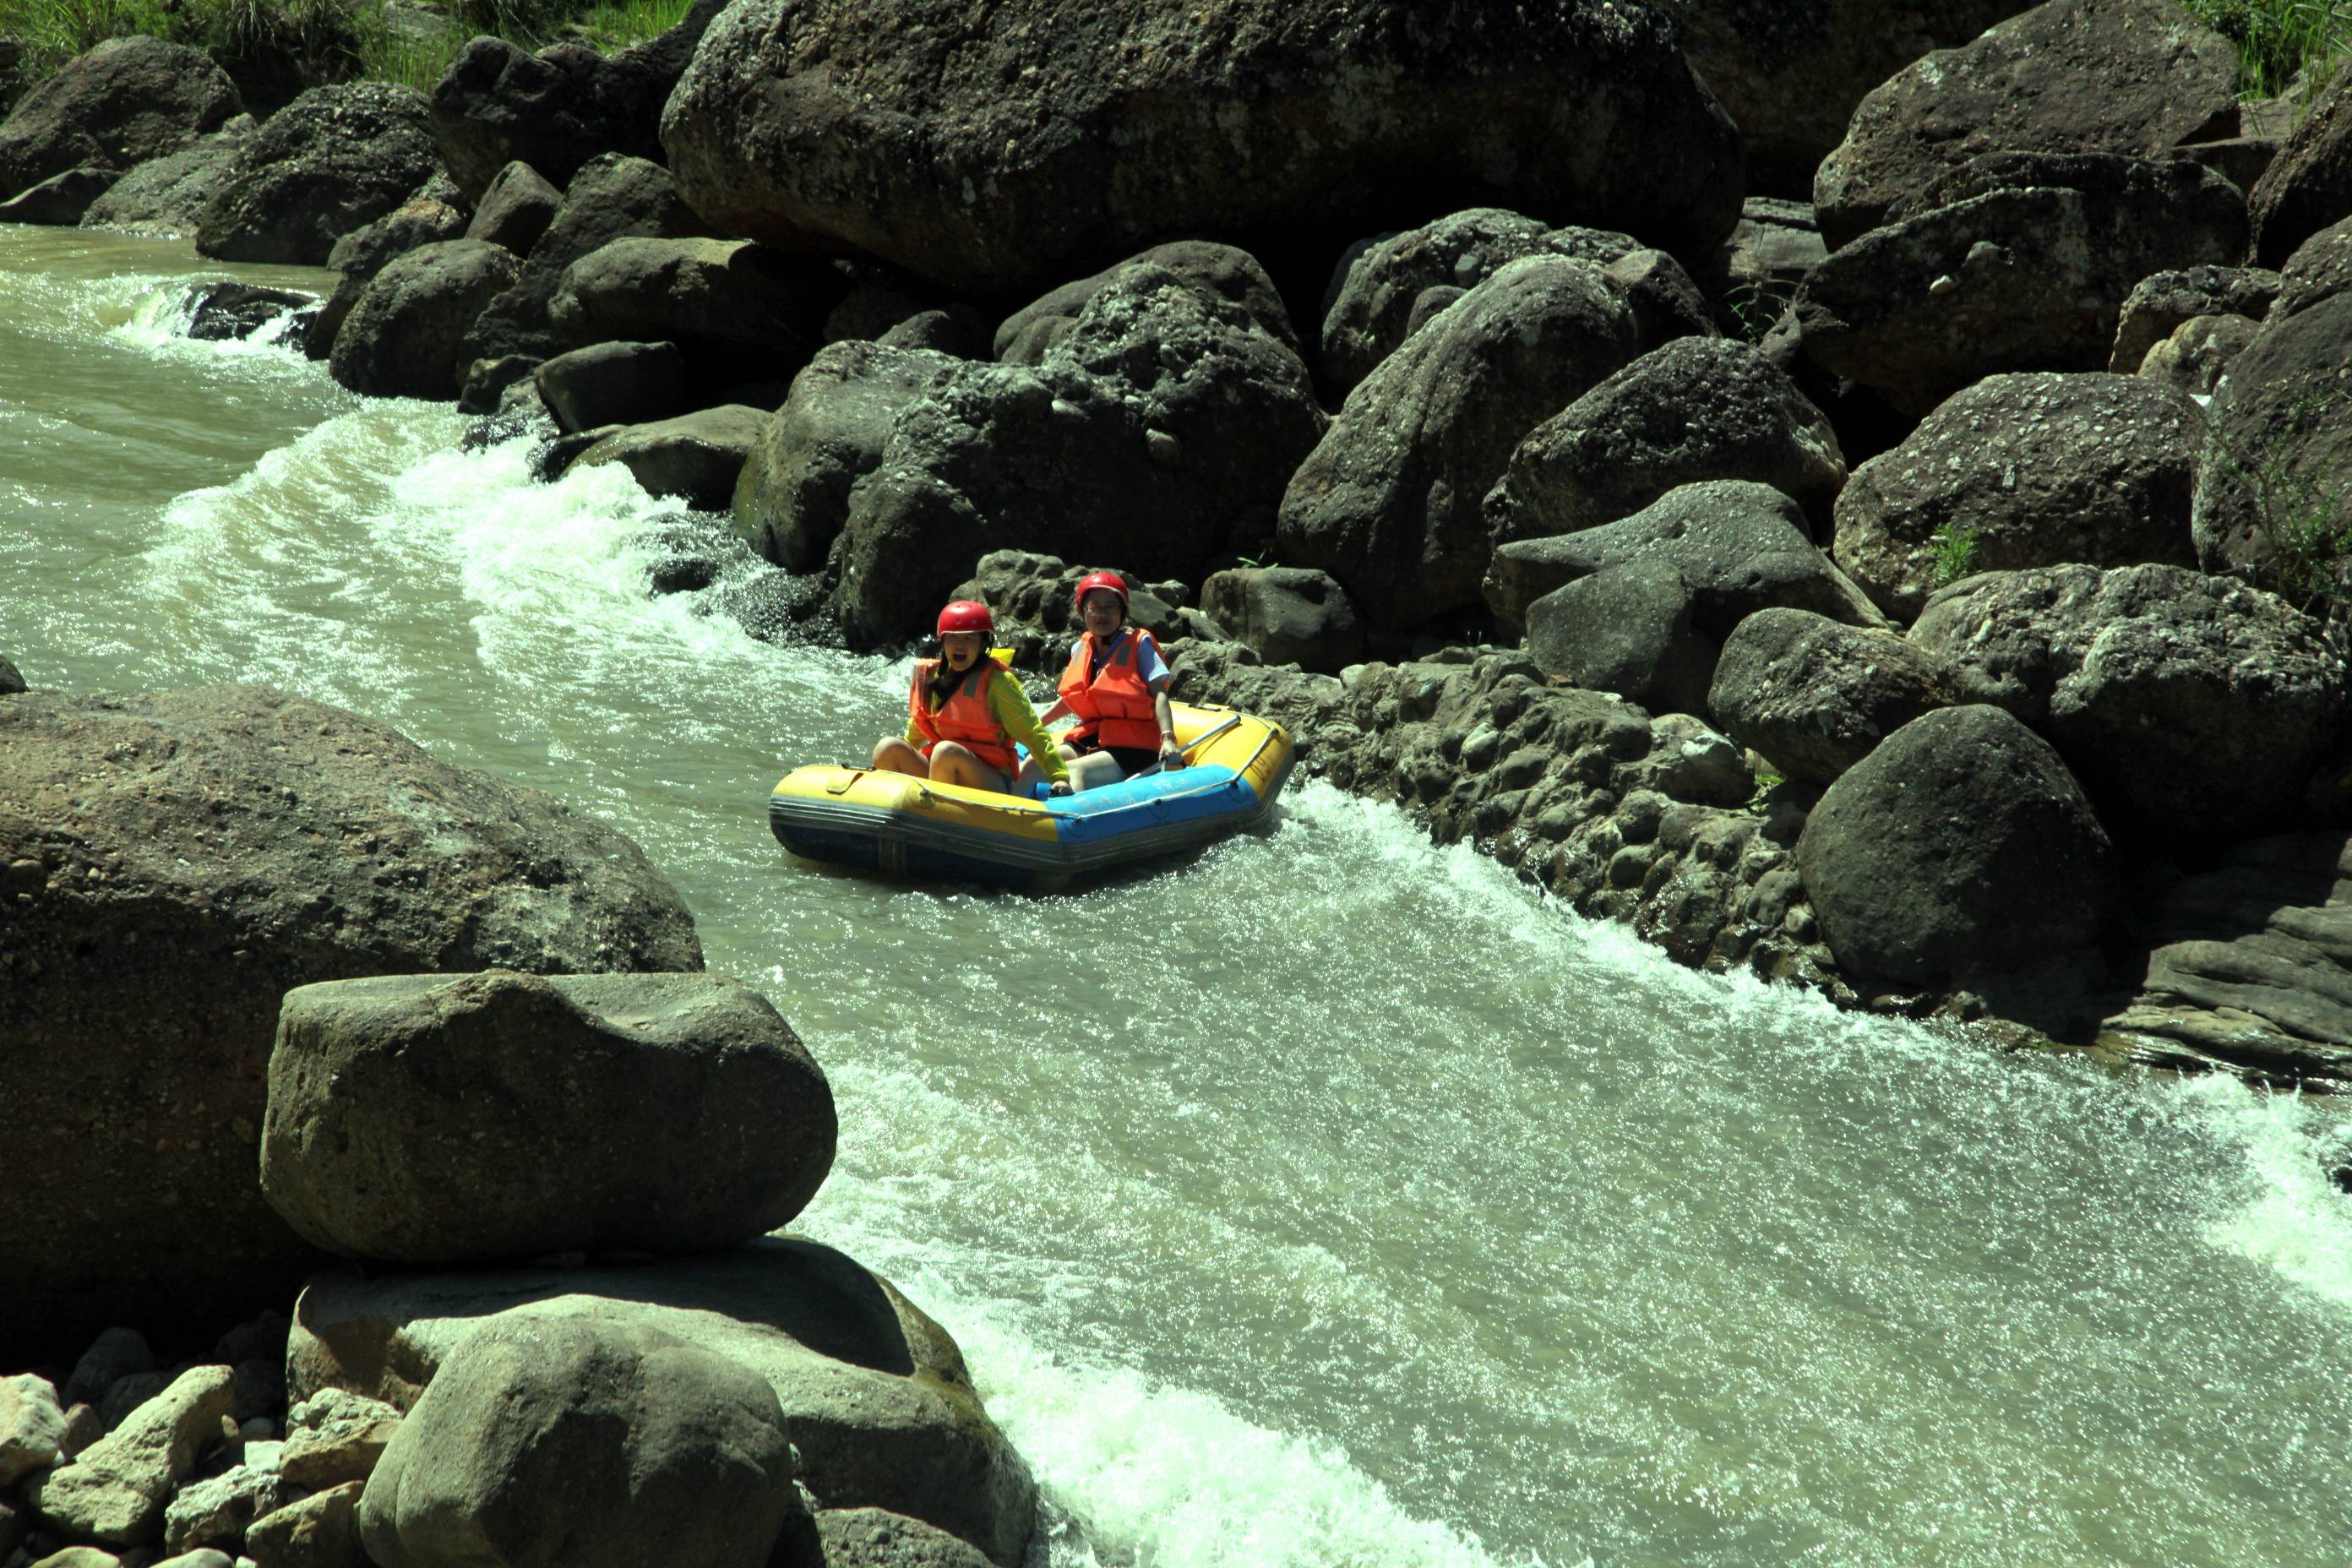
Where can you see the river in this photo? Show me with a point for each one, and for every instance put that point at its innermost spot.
(1330, 1200)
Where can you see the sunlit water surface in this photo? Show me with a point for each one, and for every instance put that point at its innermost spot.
(1331, 1199)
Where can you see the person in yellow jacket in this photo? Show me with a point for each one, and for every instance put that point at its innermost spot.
(965, 712)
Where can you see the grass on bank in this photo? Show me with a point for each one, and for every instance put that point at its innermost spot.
(304, 43)
(2278, 39)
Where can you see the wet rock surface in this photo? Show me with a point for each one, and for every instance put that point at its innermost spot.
(174, 864)
(423, 1119)
(1097, 131)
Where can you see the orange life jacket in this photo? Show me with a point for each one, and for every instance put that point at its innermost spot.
(965, 718)
(1115, 706)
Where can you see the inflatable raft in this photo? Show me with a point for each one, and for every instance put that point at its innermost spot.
(902, 826)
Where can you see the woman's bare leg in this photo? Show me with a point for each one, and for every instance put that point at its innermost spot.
(893, 755)
(951, 763)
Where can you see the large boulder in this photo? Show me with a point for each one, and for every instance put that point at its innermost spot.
(2016, 261)
(1792, 72)
(1627, 629)
(1741, 546)
(32, 1427)
(124, 102)
(419, 1118)
(2198, 355)
(1389, 501)
(595, 1444)
(1816, 696)
(2160, 302)
(730, 306)
(173, 865)
(2320, 268)
(2134, 76)
(1162, 423)
(1960, 848)
(430, 216)
(166, 197)
(874, 1538)
(2189, 706)
(115, 1491)
(612, 197)
(874, 1394)
(2245, 964)
(515, 208)
(1287, 615)
(335, 158)
(2272, 497)
(698, 457)
(1377, 292)
(2024, 471)
(1698, 408)
(1048, 135)
(614, 384)
(2309, 186)
(557, 109)
(405, 331)
(1217, 271)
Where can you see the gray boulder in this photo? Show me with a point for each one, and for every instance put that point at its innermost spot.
(417, 1118)
(2024, 471)
(334, 159)
(1626, 629)
(115, 1491)
(874, 1538)
(614, 384)
(425, 218)
(124, 102)
(612, 197)
(753, 307)
(2309, 186)
(2272, 496)
(59, 201)
(319, 1531)
(1792, 72)
(117, 1353)
(1060, 136)
(2187, 705)
(515, 208)
(2198, 355)
(2133, 76)
(1960, 848)
(558, 108)
(12, 679)
(216, 1511)
(1287, 615)
(224, 313)
(1388, 502)
(1216, 272)
(546, 1440)
(175, 863)
(1377, 291)
(1167, 422)
(334, 1437)
(2320, 268)
(32, 1427)
(2017, 261)
(1698, 408)
(874, 1394)
(165, 197)
(2159, 304)
(405, 334)
(697, 457)
(1815, 696)
(1741, 546)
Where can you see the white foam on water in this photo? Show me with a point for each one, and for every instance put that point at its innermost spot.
(2286, 1215)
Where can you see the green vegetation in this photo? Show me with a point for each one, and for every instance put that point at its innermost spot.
(2277, 39)
(274, 49)
(1757, 303)
(1955, 550)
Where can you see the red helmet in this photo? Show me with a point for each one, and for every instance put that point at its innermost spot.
(966, 615)
(1093, 580)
